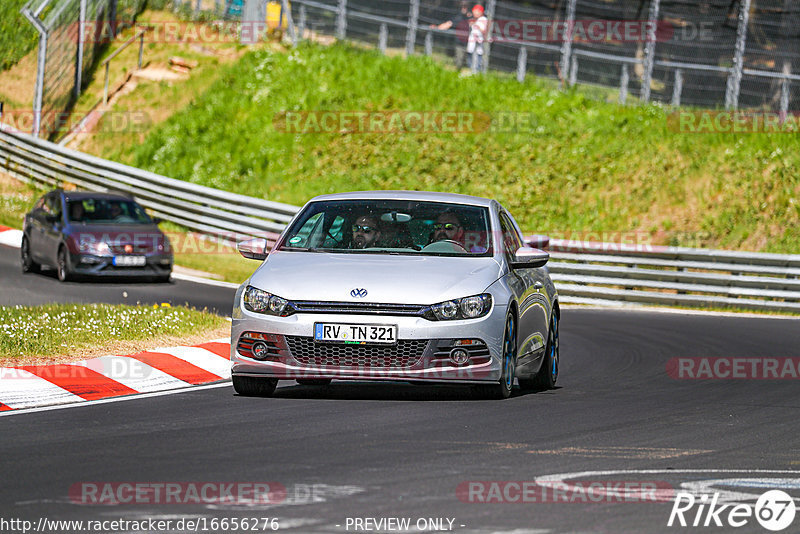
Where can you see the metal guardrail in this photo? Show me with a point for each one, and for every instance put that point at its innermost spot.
(227, 216)
(585, 272)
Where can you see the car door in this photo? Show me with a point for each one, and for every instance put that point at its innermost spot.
(37, 220)
(532, 300)
(52, 228)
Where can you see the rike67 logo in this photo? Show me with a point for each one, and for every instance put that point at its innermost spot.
(774, 510)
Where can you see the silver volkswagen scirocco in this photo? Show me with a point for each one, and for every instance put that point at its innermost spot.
(397, 286)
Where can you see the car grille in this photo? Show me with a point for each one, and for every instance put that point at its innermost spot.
(136, 248)
(364, 308)
(405, 354)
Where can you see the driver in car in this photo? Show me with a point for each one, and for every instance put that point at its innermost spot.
(365, 232)
(448, 227)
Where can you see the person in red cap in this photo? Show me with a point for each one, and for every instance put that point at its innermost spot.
(479, 28)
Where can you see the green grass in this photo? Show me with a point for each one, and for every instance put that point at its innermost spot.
(584, 165)
(17, 35)
(55, 329)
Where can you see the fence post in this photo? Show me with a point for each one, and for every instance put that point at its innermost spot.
(383, 36)
(79, 56)
(301, 23)
(429, 43)
(411, 34)
(112, 17)
(522, 63)
(566, 46)
(677, 88)
(573, 71)
(198, 6)
(784, 98)
(286, 12)
(341, 20)
(487, 44)
(650, 49)
(41, 63)
(735, 77)
(624, 78)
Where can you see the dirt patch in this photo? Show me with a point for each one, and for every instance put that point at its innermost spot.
(120, 348)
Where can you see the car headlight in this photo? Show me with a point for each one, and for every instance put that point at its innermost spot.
(464, 308)
(259, 301)
(99, 248)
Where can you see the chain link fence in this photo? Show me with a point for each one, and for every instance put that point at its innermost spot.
(725, 53)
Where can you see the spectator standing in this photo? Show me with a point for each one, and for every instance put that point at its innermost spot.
(460, 23)
(479, 28)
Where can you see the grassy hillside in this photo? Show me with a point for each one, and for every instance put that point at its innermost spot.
(17, 36)
(584, 165)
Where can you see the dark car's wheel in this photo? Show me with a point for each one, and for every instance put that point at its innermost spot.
(548, 373)
(249, 386)
(313, 381)
(28, 265)
(63, 268)
(502, 389)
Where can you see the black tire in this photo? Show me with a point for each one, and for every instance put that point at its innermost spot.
(63, 269)
(249, 386)
(28, 265)
(314, 381)
(502, 389)
(547, 375)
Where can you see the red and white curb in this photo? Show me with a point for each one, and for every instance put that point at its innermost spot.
(10, 237)
(162, 369)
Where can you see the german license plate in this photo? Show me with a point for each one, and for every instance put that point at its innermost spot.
(129, 261)
(355, 333)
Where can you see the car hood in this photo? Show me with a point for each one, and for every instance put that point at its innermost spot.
(387, 279)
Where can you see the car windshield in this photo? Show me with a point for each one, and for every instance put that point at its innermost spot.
(106, 211)
(391, 227)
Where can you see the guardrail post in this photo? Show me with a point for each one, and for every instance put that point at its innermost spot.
(383, 36)
(624, 78)
(735, 77)
(677, 88)
(522, 63)
(573, 71)
(79, 55)
(301, 22)
(411, 34)
(566, 46)
(487, 43)
(650, 49)
(341, 20)
(429, 43)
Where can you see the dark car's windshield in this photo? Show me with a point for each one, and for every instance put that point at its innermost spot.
(106, 211)
(391, 227)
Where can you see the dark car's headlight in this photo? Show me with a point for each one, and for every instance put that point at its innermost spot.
(99, 248)
(464, 308)
(259, 301)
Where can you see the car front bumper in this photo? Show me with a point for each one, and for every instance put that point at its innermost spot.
(420, 354)
(159, 265)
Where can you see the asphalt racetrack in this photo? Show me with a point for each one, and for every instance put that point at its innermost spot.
(351, 453)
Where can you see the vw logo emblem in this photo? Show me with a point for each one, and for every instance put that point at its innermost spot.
(358, 293)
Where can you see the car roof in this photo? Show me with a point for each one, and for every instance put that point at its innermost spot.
(82, 195)
(407, 195)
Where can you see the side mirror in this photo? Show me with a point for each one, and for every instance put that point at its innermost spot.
(52, 219)
(157, 220)
(253, 249)
(539, 241)
(527, 258)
